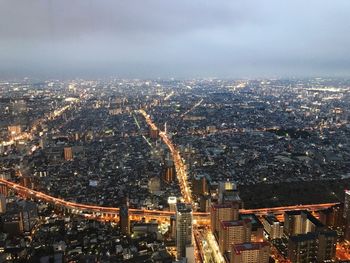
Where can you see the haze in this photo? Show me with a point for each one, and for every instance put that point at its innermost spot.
(181, 39)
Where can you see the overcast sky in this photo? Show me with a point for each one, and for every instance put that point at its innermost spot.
(178, 38)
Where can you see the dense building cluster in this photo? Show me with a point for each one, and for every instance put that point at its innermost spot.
(171, 155)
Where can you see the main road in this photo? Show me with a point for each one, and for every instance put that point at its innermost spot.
(180, 168)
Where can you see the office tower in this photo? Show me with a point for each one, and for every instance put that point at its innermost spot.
(183, 228)
(234, 232)
(2, 204)
(172, 203)
(255, 252)
(124, 217)
(222, 212)
(68, 154)
(272, 226)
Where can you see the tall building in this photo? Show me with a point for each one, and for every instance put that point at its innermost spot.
(272, 226)
(256, 252)
(347, 204)
(124, 217)
(222, 212)
(234, 232)
(257, 232)
(347, 215)
(183, 228)
(68, 153)
(172, 200)
(169, 171)
(327, 241)
(200, 185)
(154, 133)
(228, 192)
(313, 247)
(2, 203)
(300, 222)
(303, 248)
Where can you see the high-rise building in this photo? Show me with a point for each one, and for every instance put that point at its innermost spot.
(124, 217)
(313, 247)
(68, 153)
(332, 217)
(169, 171)
(327, 241)
(347, 215)
(272, 226)
(222, 212)
(172, 200)
(234, 232)
(303, 248)
(257, 232)
(300, 222)
(255, 252)
(183, 228)
(2, 203)
(200, 185)
(228, 188)
(347, 204)
(154, 133)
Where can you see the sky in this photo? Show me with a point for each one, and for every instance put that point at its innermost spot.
(178, 38)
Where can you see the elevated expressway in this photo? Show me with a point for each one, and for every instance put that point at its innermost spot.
(111, 213)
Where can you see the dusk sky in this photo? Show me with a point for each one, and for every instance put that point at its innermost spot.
(179, 38)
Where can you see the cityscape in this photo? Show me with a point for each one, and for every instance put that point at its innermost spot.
(155, 131)
(206, 170)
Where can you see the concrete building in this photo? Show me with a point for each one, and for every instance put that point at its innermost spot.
(184, 219)
(124, 217)
(256, 252)
(234, 232)
(272, 226)
(222, 212)
(68, 153)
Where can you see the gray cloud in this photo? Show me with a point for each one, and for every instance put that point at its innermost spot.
(151, 38)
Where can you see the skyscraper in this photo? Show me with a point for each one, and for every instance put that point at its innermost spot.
(124, 217)
(183, 228)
